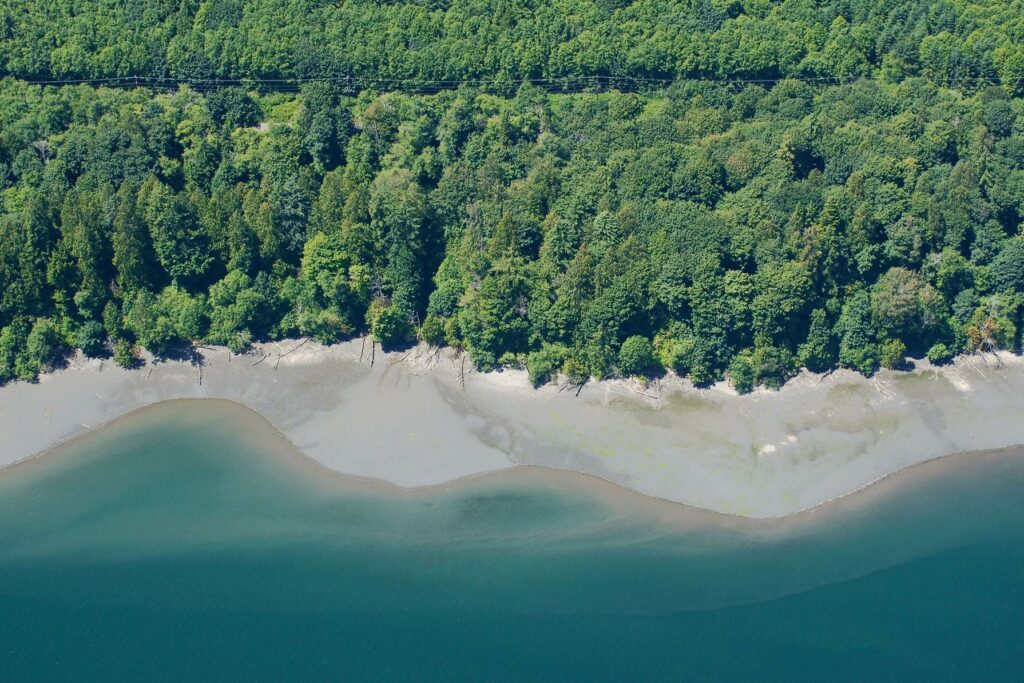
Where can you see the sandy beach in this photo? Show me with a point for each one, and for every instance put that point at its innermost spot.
(422, 418)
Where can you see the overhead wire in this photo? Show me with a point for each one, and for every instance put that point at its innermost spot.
(562, 84)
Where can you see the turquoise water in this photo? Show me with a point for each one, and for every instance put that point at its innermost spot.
(188, 542)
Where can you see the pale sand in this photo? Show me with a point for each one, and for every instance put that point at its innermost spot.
(408, 420)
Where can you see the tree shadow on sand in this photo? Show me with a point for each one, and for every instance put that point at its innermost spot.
(185, 351)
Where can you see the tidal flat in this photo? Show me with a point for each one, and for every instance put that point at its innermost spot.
(421, 418)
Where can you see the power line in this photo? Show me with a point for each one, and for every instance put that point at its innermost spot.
(558, 84)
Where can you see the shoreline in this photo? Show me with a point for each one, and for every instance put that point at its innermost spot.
(605, 491)
(411, 421)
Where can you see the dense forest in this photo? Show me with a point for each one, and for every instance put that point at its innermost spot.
(509, 41)
(825, 183)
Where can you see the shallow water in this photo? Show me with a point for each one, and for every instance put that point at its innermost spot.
(189, 541)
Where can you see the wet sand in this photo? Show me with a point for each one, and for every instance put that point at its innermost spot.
(414, 419)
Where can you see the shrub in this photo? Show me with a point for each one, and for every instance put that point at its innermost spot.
(892, 354)
(12, 338)
(388, 324)
(741, 373)
(636, 357)
(43, 344)
(543, 364)
(575, 371)
(240, 341)
(125, 354)
(453, 333)
(432, 331)
(510, 359)
(863, 359)
(91, 337)
(771, 365)
(940, 354)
